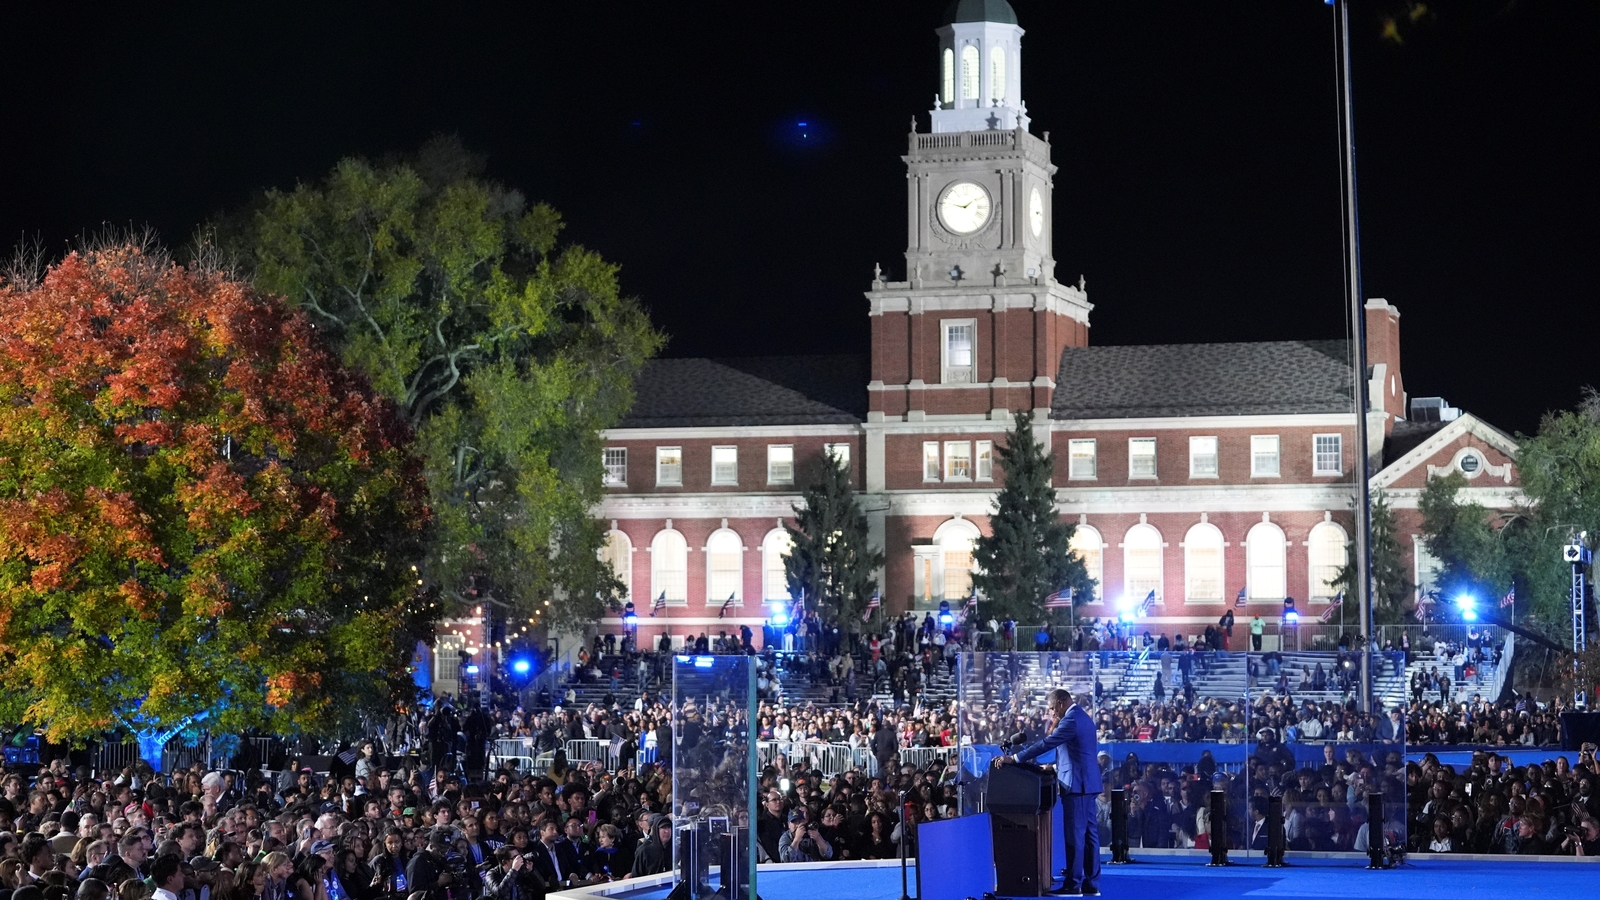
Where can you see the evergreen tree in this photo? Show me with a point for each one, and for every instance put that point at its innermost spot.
(1391, 586)
(832, 561)
(1026, 556)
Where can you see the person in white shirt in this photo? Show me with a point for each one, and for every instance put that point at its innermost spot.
(167, 873)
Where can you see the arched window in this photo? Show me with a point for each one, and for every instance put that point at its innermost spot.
(1086, 542)
(1202, 564)
(1265, 562)
(997, 73)
(1327, 554)
(669, 566)
(1141, 563)
(724, 570)
(617, 552)
(954, 539)
(774, 584)
(948, 76)
(969, 72)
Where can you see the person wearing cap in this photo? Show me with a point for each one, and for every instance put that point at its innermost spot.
(426, 872)
(802, 842)
(512, 878)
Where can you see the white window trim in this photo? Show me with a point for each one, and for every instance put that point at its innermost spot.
(944, 350)
(1251, 589)
(1278, 470)
(1099, 542)
(1094, 459)
(738, 592)
(1222, 561)
(979, 448)
(1317, 470)
(770, 544)
(772, 480)
(1313, 590)
(659, 481)
(835, 448)
(1216, 456)
(1155, 466)
(1161, 564)
(938, 453)
(625, 577)
(655, 569)
(609, 482)
(950, 458)
(720, 482)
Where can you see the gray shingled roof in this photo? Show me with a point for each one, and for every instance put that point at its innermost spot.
(1235, 379)
(802, 390)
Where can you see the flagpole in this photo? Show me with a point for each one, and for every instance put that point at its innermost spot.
(1358, 335)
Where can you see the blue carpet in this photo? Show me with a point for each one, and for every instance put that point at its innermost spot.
(1426, 879)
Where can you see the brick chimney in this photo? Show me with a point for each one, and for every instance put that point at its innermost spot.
(1386, 388)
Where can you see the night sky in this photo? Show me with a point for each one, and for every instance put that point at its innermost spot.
(1198, 188)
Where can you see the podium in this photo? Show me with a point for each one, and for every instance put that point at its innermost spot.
(1021, 800)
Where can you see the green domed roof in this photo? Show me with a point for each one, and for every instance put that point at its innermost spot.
(980, 11)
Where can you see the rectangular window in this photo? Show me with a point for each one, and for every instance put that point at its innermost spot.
(1141, 457)
(930, 461)
(1202, 457)
(1327, 454)
(841, 452)
(615, 460)
(1264, 456)
(958, 460)
(960, 351)
(669, 466)
(1081, 458)
(780, 464)
(724, 465)
(985, 460)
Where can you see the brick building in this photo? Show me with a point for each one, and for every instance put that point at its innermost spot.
(1193, 470)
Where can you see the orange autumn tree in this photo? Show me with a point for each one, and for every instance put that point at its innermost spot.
(203, 516)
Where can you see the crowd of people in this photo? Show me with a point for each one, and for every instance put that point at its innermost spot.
(405, 822)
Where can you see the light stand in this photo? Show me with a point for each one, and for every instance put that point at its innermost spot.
(1578, 554)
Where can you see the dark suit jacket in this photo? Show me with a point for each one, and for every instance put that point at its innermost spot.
(1076, 747)
(565, 855)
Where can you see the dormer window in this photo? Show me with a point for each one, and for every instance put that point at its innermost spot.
(997, 74)
(948, 79)
(969, 72)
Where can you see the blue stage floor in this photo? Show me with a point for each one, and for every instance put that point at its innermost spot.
(1425, 879)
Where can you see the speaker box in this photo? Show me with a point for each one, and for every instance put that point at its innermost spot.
(1021, 854)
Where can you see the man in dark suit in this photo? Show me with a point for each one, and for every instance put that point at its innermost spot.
(556, 861)
(1075, 745)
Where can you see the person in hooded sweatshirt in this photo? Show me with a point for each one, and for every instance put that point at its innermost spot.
(654, 855)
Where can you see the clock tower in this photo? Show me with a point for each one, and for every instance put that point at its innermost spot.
(976, 329)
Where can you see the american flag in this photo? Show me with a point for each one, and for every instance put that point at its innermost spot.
(1422, 610)
(1238, 601)
(1333, 607)
(873, 603)
(725, 604)
(1509, 598)
(971, 609)
(659, 605)
(1061, 599)
(433, 784)
(1145, 604)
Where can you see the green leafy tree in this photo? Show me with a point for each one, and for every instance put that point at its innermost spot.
(833, 560)
(203, 516)
(1392, 587)
(1467, 539)
(1027, 555)
(1560, 472)
(506, 353)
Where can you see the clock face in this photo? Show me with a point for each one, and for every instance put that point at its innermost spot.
(1036, 212)
(964, 208)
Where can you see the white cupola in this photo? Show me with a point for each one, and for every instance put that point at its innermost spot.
(980, 69)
